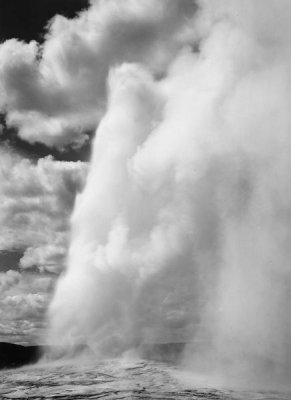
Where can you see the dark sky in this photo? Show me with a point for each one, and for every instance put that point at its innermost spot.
(9, 259)
(27, 20)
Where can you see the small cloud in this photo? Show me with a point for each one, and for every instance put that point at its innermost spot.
(9, 279)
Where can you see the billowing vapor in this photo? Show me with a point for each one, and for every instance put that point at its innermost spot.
(182, 232)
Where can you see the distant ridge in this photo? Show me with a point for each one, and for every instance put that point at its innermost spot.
(16, 355)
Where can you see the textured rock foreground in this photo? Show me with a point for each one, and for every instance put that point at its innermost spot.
(112, 379)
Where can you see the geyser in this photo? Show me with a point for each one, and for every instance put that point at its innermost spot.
(182, 232)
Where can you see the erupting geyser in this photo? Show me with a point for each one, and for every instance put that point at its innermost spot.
(182, 232)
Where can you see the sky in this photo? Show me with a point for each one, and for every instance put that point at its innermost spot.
(39, 178)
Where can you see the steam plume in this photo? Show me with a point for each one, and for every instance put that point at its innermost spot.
(182, 231)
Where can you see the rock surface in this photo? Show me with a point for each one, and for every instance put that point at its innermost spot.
(112, 379)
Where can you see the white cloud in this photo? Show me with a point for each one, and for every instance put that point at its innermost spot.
(27, 304)
(24, 299)
(36, 202)
(9, 279)
(53, 92)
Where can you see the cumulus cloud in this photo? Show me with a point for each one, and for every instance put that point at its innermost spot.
(55, 91)
(31, 304)
(24, 298)
(36, 202)
(9, 279)
(21, 331)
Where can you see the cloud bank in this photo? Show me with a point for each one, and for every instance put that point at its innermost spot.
(23, 302)
(36, 202)
(55, 92)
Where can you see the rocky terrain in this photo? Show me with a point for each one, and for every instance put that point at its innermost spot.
(112, 379)
(154, 377)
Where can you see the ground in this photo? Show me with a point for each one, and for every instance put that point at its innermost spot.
(113, 379)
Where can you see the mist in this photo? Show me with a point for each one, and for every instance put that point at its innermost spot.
(182, 232)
